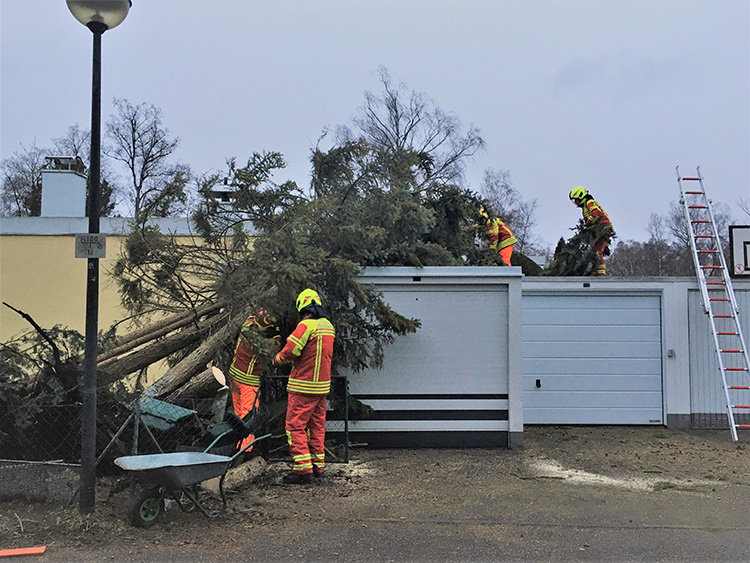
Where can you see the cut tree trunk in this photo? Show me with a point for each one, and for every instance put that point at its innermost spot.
(157, 330)
(197, 360)
(118, 367)
(203, 385)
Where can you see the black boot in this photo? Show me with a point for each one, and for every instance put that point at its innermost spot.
(297, 479)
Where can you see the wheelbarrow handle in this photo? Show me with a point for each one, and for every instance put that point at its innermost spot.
(243, 450)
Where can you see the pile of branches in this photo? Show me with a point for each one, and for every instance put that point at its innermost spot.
(576, 257)
(40, 391)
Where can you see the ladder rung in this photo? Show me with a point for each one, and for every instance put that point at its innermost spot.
(718, 299)
(727, 333)
(742, 425)
(712, 267)
(704, 236)
(700, 221)
(697, 206)
(735, 369)
(732, 351)
(723, 317)
(741, 406)
(715, 283)
(693, 179)
(707, 252)
(743, 387)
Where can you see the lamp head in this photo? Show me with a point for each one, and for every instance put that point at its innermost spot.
(104, 14)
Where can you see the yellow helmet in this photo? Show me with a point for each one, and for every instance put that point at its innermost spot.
(577, 193)
(308, 297)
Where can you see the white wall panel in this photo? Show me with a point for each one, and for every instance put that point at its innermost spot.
(707, 399)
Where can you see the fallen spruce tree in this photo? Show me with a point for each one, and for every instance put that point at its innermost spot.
(366, 207)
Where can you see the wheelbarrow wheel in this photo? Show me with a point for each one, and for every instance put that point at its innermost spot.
(146, 507)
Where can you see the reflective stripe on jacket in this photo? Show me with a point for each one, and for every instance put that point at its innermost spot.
(499, 234)
(310, 347)
(245, 367)
(593, 213)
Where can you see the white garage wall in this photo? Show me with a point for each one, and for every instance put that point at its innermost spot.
(453, 382)
(708, 403)
(647, 367)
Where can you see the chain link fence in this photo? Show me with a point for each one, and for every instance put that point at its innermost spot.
(40, 445)
(40, 449)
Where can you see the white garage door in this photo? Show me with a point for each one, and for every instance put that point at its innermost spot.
(446, 384)
(592, 359)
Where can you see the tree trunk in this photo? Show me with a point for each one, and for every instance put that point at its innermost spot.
(196, 362)
(134, 339)
(203, 385)
(139, 359)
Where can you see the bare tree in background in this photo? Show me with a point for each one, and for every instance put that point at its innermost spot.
(508, 203)
(399, 119)
(22, 174)
(678, 227)
(137, 138)
(668, 251)
(656, 228)
(744, 205)
(22, 182)
(77, 142)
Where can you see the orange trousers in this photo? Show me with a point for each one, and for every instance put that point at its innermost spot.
(306, 432)
(505, 254)
(244, 398)
(599, 246)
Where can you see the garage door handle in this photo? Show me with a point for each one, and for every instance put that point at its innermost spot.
(538, 383)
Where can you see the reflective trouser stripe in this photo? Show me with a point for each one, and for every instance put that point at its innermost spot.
(302, 463)
(598, 247)
(319, 462)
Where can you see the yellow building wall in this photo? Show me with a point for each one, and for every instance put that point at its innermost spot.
(40, 275)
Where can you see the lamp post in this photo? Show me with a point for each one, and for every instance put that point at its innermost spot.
(98, 16)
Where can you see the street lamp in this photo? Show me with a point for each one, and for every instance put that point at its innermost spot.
(98, 16)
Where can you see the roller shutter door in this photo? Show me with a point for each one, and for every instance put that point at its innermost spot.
(592, 359)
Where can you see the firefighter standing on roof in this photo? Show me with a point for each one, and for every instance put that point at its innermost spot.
(244, 373)
(500, 236)
(593, 215)
(310, 348)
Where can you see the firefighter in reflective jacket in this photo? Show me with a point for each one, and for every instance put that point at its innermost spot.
(244, 373)
(310, 348)
(500, 236)
(593, 214)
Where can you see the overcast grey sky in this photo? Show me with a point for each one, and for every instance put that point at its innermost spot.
(608, 94)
